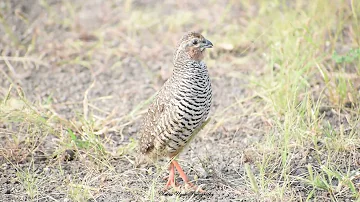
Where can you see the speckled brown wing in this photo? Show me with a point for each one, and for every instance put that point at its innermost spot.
(151, 121)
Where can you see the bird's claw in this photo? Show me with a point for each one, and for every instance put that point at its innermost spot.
(185, 186)
(171, 184)
(190, 185)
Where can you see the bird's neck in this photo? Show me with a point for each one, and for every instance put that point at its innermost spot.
(189, 69)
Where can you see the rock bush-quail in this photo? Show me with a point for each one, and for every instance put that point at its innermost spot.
(180, 107)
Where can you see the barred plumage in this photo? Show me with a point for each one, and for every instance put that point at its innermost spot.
(182, 104)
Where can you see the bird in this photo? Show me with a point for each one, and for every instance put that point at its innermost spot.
(179, 108)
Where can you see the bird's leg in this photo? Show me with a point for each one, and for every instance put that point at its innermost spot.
(171, 178)
(185, 178)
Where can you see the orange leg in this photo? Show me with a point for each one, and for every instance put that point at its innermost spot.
(171, 178)
(184, 176)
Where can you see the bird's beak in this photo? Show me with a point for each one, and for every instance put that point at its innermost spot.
(207, 44)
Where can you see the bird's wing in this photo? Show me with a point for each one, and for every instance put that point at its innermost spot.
(151, 120)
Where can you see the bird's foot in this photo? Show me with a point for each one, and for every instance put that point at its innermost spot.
(186, 180)
(171, 179)
(187, 186)
(191, 186)
(171, 184)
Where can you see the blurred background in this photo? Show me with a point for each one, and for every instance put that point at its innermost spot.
(77, 76)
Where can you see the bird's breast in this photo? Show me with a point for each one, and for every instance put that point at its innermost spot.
(191, 105)
(187, 109)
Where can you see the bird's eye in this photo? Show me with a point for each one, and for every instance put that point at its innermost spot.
(195, 42)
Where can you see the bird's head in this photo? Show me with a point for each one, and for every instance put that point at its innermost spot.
(192, 46)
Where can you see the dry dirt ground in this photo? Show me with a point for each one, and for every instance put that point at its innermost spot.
(76, 77)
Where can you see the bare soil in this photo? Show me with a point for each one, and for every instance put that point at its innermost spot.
(126, 67)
